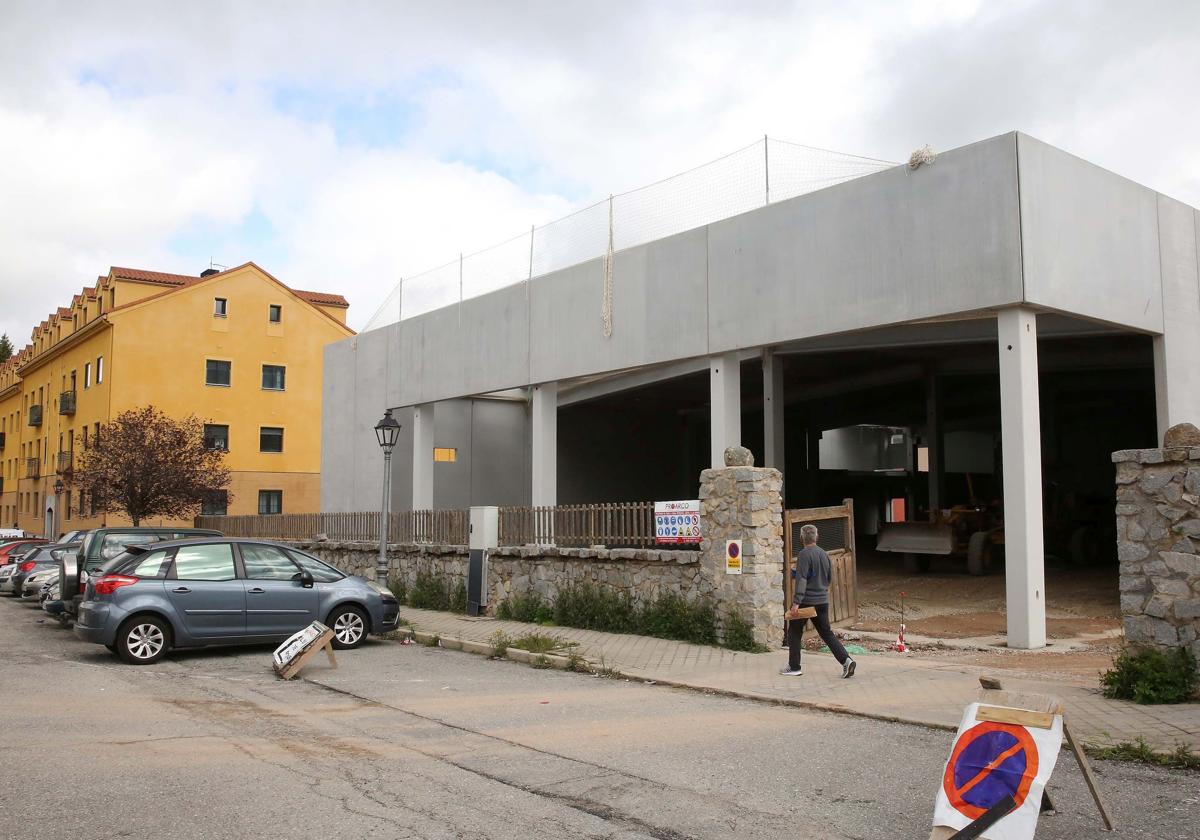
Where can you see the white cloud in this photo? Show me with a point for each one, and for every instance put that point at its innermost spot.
(126, 130)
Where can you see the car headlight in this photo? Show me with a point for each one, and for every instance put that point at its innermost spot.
(380, 588)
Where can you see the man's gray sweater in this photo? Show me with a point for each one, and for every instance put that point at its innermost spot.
(813, 573)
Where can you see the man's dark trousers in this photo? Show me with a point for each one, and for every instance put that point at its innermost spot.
(796, 637)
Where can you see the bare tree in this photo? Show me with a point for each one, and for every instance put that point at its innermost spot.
(146, 464)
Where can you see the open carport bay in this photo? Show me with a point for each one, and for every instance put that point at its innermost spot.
(863, 418)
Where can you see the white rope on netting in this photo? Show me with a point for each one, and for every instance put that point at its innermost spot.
(922, 156)
(606, 311)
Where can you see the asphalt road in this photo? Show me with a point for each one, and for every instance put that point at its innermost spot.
(408, 741)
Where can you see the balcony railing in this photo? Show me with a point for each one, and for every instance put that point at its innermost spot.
(33, 467)
(35, 415)
(66, 463)
(66, 402)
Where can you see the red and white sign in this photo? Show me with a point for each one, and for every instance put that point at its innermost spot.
(990, 761)
(677, 522)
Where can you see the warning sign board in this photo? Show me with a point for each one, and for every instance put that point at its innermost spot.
(677, 522)
(990, 761)
(733, 557)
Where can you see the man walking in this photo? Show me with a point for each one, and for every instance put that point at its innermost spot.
(812, 575)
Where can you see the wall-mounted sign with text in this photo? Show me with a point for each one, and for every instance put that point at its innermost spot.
(677, 522)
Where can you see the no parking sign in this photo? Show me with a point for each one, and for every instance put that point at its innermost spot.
(991, 760)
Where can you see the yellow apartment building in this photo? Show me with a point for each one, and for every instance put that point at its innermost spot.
(237, 348)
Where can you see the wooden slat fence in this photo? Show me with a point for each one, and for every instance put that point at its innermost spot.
(835, 527)
(448, 527)
(613, 525)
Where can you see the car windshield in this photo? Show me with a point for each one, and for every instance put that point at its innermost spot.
(319, 571)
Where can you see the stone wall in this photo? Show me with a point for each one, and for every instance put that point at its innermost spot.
(743, 502)
(736, 502)
(642, 574)
(1158, 532)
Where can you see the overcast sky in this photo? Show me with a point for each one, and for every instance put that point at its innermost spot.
(344, 145)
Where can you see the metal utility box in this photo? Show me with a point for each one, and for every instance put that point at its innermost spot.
(484, 536)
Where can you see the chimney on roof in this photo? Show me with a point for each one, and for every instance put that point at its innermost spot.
(209, 272)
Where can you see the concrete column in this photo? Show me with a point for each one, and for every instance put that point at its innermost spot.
(773, 446)
(935, 440)
(725, 405)
(1176, 374)
(1020, 428)
(545, 444)
(422, 457)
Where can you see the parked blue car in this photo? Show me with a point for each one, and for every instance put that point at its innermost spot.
(222, 591)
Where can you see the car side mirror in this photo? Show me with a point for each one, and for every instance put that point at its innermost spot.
(306, 579)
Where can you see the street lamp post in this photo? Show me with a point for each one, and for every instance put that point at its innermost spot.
(58, 489)
(387, 431)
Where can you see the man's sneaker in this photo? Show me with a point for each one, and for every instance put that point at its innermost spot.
(848, 669)
(788, 672)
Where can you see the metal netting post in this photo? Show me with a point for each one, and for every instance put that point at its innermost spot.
(460, 267)
(532, 228)
(767, 168)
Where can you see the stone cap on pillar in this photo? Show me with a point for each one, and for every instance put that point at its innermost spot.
(738, 456)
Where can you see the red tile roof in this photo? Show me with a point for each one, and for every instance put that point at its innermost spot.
(152, 276)
(164, 279)
(322, 298)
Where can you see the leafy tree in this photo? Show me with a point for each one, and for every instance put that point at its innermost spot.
(6, 348)
(145, 464)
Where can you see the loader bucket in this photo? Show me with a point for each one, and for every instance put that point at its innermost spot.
(916, 538)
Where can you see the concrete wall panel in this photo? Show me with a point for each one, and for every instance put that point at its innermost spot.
(405, 369)
(1177, 375)
(370, 401)
(659, 310)
(337, 417)
(477, 346)
(500, 459)
(890, 247)
(1090, 239)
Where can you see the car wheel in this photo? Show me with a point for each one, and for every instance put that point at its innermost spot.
(349, 625)
(143, 640)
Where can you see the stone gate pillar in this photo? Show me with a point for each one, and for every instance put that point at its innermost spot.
(1158, 537)
(741, 501)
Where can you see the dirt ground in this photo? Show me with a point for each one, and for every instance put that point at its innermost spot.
(947, 603)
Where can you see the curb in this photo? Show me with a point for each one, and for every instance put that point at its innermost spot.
(551, 660)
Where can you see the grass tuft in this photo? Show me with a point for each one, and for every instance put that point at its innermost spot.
(434, 592)
(1180, 758)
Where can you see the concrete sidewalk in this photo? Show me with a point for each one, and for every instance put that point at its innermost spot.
(896, 687)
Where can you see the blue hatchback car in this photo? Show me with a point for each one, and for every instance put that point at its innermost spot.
(223, 591)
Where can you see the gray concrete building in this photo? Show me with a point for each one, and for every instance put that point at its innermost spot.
(1009, 315)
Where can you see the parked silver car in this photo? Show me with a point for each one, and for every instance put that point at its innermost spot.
(36, 581)
(49, 591)
(41, 558)
(6, 573)
(222, 591)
